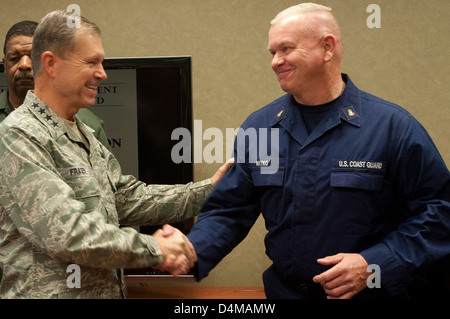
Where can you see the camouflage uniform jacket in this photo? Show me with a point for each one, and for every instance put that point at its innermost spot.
(85, 115)
(62, 204)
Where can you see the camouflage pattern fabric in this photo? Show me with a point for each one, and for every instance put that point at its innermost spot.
(85, 115)
(62, 204)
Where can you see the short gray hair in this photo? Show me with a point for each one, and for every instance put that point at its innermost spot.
(54, 34)
(300, 8)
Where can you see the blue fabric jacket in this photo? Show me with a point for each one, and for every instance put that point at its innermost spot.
(367, 180)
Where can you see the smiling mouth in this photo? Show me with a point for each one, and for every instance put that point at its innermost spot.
(91, 87)
(284, 70)
(283, 73)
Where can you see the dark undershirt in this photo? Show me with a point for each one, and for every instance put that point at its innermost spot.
(313, 114)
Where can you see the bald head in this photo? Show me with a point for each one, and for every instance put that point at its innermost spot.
(301, 9)
(314, 21)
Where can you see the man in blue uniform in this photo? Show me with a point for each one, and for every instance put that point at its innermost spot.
(356, 182)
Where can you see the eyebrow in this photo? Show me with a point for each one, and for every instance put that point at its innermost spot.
(280, 45)
(17, 52)
(14, 48)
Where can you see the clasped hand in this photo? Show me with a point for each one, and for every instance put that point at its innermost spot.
(177, 251)
(346, 278)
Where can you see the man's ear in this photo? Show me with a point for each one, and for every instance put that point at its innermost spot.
(329, 46)
(49, 60)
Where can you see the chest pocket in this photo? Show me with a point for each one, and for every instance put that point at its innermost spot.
(83, 184)
(365, 175)
(270, 177)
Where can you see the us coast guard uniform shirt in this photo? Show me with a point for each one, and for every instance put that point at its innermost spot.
(368, 179)
(62, 203)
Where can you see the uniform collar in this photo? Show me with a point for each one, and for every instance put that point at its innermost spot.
(349, 103)
(5, 104)
(347, 109)
(50, 119)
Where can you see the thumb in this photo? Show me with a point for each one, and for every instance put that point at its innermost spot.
(330, 260)
(168, 230)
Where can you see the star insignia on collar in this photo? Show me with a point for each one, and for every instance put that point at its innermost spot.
(42, 111)
(35, 105)
(55, 124)
(48, 117)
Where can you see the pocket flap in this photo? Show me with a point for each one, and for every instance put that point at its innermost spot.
(275, 179)
(359, 180)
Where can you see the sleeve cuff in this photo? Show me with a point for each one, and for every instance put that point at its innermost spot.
(393, 276)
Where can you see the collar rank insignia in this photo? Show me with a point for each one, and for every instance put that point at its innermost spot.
(350, 113)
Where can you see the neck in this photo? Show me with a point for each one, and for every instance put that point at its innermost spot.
(321, 92)
(54, 101)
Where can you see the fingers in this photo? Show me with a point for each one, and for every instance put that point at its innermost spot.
(346, 278)
(177, 251)
(331, 273)
(331, 260)
(222, 171)
(174, 265)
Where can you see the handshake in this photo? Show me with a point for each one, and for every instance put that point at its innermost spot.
(177, 251)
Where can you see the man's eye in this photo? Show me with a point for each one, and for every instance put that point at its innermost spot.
(285, 49)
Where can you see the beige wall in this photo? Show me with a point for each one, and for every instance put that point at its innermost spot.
(405, 61)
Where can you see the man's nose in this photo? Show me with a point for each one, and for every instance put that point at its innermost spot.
(25, 63)
(277, 60)
(101, 73)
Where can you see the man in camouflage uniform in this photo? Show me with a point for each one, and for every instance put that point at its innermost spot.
(62, 193)
(19, 76)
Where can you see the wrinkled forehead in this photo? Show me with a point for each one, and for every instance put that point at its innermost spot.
(19, 43)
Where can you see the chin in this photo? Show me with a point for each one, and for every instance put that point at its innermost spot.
(88, 103)
(286, 89)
